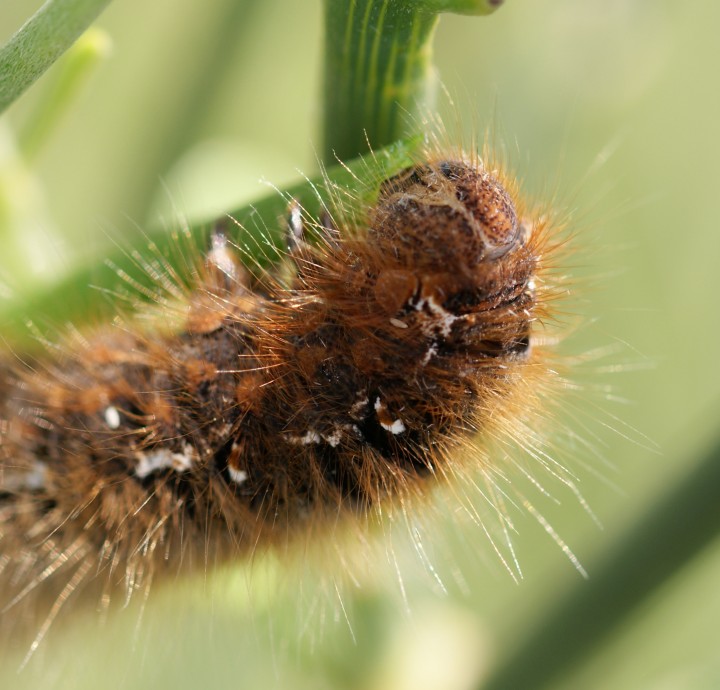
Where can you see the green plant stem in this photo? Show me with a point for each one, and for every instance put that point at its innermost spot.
(41, 41)
(679, 526)
(378, 69)
(262, 237)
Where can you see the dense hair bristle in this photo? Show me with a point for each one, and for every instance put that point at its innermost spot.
(268, 404)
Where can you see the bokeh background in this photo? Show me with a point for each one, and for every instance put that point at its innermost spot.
(614, 108)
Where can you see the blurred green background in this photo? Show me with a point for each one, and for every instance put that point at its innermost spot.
(614, 108)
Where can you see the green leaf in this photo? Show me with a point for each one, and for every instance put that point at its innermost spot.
(262, 236)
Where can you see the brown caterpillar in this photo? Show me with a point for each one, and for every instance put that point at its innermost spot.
(126, 454)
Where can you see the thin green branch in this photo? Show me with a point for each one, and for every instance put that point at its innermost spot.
(41, 41)
(678, 527)
(378, 68)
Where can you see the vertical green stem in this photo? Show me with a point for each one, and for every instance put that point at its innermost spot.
(378, 68)
(377, 72)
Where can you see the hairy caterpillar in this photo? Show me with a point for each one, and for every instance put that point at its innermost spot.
(344, 380)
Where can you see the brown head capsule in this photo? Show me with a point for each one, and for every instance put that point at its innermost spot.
(477, 213)
(132, 452)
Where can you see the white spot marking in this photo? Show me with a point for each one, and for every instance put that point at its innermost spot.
(396, 427)
(444, 320)
(164, 458)
(431, 352)
(359, 406)
(238, 476)
(112, 417)
(33, 480)
(334, 438)
(398, 324)
(309, 437)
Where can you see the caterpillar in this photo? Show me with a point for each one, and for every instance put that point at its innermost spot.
(348, 378)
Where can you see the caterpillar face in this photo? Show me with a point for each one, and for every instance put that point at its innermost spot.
(460, 267)
(478, 215)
